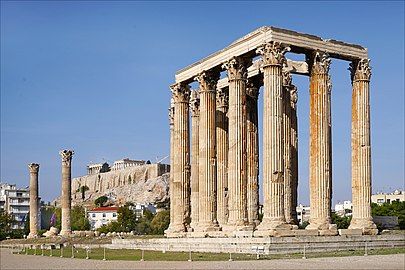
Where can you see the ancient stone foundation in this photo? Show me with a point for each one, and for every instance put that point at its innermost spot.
(224, 194)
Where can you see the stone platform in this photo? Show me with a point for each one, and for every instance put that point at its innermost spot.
(268, 245)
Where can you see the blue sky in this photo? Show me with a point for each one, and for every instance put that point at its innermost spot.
(94, 76)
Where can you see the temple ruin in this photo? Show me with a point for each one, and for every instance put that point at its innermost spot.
(214, 184)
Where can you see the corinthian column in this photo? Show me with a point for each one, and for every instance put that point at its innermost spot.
(66, 191)
(34, 170)
(320, 161)
(252, 152)
(180, 167)
(288, 187)
(171, 124)
(273, 165)
(222, 156)
(294, 151)
(207, 142)
(195, 122)
(361, 148)
(237, 186)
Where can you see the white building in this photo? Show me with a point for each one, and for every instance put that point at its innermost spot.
(344, 209)
(102, 216)
(16, 202)
(380, 198)
(303, 213)
(125, 163)
(140, 208)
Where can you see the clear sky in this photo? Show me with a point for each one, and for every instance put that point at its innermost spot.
(94, 77)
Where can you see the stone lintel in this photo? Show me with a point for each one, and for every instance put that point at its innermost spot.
(350, 231)
(295, 67)
(299, 43)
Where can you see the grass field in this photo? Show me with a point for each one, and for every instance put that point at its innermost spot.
(136, 255)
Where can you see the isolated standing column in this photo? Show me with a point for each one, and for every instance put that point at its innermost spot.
(361, 148)
(66, 191)
(34, 170)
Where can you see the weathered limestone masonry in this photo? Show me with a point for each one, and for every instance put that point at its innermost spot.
(171, 124)
(195, 122)
(361, 148)
(66, 191)
(226, 145)
(222, 156)
(34, 170)
(237, 185)
(180, 199)
(252, 94)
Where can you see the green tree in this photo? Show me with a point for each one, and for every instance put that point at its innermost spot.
(100, 201)
(6, 223)
(160, 222)
(390, 209)
(126, 218)
(341, 222)
(79, 220)
(83, 190)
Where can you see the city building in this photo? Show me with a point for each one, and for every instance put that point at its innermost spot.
(102, 216)
(380, 198)
(140, 208)
(16, 202)
(344, 209)
(303, 213)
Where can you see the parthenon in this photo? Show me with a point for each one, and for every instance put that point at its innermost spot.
(214, 188)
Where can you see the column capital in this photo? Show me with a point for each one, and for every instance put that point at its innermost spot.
(273, 53)
(66, 156)
(287, 78)
(360, 70)
(252, 89)
(33, 167)
(195, 104)
(237, 68)
(180, 93)
(171, 115)
(208, 80)
(222, 98)
(319, 62)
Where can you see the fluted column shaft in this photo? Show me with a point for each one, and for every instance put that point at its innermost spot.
(34, 170)
(252, 150)
(237, 174)
(320, 143)
(66, 191)
(361, 148)
(207, 155)
(273, 157)
(171, 184)
(181, 162)
(294, 152)
(288, 187)
(222, 156)
(195, 149)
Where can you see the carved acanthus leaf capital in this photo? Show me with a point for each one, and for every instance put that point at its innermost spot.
(180, 92)
(66, 156)
(208, 80)
(33, 167)
(252, 89)
(222, 98)
(237, 68)
(195, 103)
(360, 70)
(171, 115)
(320, 63)
(273, 53)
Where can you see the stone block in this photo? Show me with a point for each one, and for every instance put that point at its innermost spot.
(367, 231)
(306, 232)
(330, 232)
(350, 232)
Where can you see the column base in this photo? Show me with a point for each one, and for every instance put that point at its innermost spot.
(65, 233)
(32, 236)
(207, 227)
(367, 226)
(323, 224)
(273, 224)
(178, 228)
